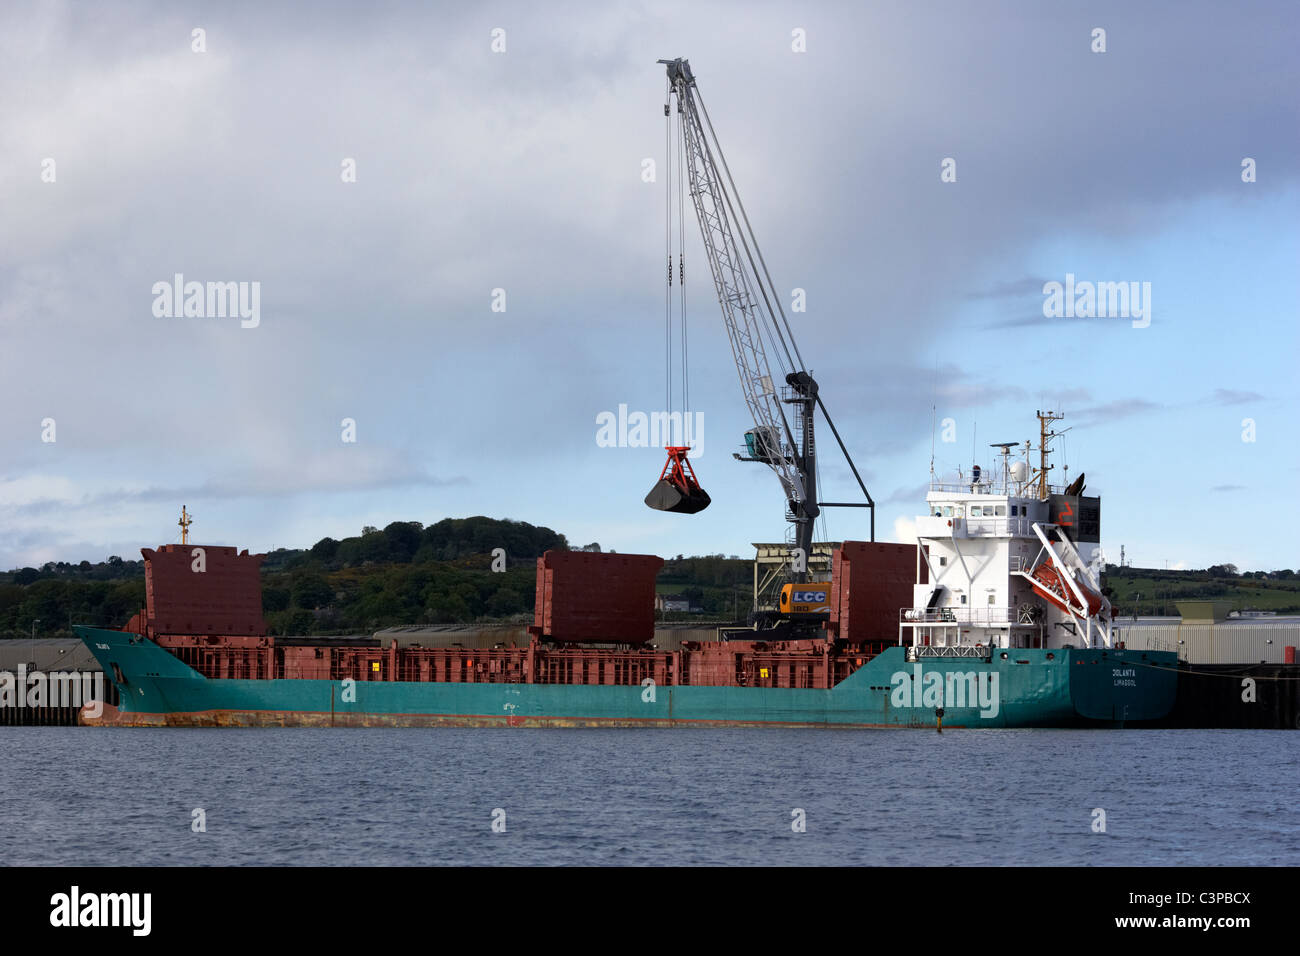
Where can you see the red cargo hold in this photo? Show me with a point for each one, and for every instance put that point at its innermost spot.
(870, 582)
(585, 597)
(224, 598)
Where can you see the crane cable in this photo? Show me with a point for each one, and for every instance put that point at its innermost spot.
(826, 528)
(668, 246)
(681, 265)
(676, 183)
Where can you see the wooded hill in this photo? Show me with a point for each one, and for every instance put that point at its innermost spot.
(407, 573)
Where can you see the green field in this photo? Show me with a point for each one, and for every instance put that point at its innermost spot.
(1152, 591)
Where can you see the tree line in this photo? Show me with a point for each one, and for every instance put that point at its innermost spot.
(405, 573)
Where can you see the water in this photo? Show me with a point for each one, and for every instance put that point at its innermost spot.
(408, 797)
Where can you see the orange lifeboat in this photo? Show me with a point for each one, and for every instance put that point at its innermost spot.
(1047, 581)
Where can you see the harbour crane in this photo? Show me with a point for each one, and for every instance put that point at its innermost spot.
(782, 406)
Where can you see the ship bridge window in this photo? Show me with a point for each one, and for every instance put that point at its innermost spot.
(947, 511)
(977, 511)
(1000, 511)
(938, 511)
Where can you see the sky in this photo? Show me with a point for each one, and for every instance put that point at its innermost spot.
(128, 155)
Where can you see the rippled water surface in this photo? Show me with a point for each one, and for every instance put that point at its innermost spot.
(409, 796)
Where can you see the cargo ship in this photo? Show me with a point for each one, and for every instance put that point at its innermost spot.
(994, 618)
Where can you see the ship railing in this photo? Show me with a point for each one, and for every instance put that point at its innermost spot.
(922, 651)
(987, 486)
(961, 526)
(1134, 639)
(957, 615)
(982, 487)
(997, 527)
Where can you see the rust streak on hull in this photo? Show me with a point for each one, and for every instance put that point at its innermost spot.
(112, 717)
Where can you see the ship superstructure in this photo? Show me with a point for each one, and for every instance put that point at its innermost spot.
(1010, 561)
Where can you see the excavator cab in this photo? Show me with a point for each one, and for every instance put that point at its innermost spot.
(677, 490)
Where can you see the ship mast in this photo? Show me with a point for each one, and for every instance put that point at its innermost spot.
(1044, 438)
(185, 522)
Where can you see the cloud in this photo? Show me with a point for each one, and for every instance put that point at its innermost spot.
(1012, 289)
(1228, 396)
(344, 469)
(1114, 411)
(913, 495)
(1025, 321)
(904, 530)
(478, 171)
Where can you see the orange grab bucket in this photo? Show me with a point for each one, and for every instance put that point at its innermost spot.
(677, 490)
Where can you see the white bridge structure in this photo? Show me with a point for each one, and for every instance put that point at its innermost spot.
(1008, 563)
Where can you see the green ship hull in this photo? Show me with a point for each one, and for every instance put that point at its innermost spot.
(1014, 688)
